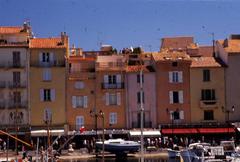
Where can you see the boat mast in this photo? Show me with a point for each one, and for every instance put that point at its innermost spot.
(141, 109)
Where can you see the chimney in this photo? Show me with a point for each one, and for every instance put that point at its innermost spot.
(64, 38)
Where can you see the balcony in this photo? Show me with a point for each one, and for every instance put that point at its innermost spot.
(54, 63)
(12, 84)
(113, 85)
(15, 65)
(209, 104)
(20, 105)
(145, 124)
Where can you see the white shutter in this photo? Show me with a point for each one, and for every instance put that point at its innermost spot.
(107, 99)
(118, 78)
(171, 115)
(118, 98)
(170, 74)
(74, 101)
(40, 58)
(170, 97)
(49, 77)
(51, 57)
(180, 95)
(53, 95)
(105, 78)
(85, 101)
(41, 94)
(181, 114)
(180, 77)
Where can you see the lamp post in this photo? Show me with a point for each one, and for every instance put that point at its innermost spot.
(101, 114)
(96, 115)
(48, 121)
(228, 115)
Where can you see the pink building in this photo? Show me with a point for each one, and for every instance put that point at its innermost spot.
(133, 96)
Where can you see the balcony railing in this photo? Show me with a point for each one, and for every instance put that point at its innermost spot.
(208, 103)
(9, 64)
(48, 64)
(12, 84)
(145, 124)
(113, 85)
(20, 105)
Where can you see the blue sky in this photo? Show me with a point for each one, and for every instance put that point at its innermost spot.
(124, 23)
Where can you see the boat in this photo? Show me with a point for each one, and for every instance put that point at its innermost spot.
(119, 146)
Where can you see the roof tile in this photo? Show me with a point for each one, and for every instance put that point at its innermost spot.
(46, 43)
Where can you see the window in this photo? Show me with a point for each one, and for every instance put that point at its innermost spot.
(138, 78)
(208, 94)
(177, 115)
(47, 116)
(17, 97)
(174, 64)
(45, 57)
(139, 97)
(208, 115)
(16, 59)
(79, 85)
(175, 77)
(79, 101)
(176, 97)
(79, 122)
(112, 81)
(16, 78)
(47, 94)
(206, 75)
(112, 118)
(47, 74)
(113, 98)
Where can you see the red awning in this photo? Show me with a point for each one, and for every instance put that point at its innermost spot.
(196, 130)
(216, 130)
(179, 131)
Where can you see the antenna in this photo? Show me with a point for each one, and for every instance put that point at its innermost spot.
(213, 44)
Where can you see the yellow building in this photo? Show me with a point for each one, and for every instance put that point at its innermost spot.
(47, 80)
(207, 90)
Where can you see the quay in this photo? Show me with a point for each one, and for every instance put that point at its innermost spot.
(83, 154)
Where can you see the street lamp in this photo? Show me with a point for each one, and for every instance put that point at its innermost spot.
(228, 115)
(101, 114)
(96, 114)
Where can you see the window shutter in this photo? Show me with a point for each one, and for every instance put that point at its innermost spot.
(40, 57)
(107, 99)
(44, 74)
(85, 101)
(41, 94)
(49, 77)
(180, 93)
(53, 95)
(105, 78)
(180, 76)
(170, 97)
(171, 115)
(181, 114)
(170, 77)
(118, 98)
(118, 78)
(115, 118)
(74, 101)
(51, 57)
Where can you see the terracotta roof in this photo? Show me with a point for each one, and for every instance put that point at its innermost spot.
(171, 56)
(80, 58)
(176, 42)
(231, 45)
(205, 62)
(10, 29)
(137, 68)
(46, 43)
(206, 51)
